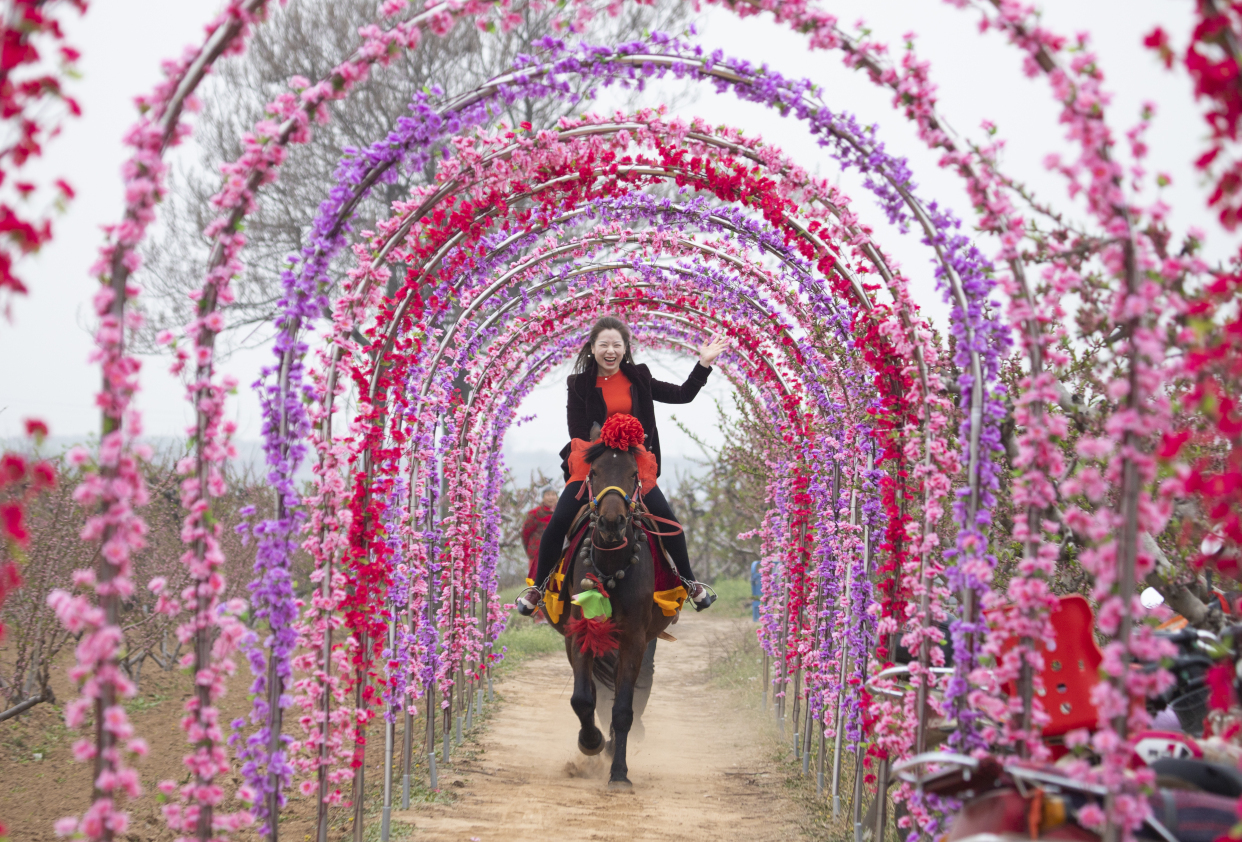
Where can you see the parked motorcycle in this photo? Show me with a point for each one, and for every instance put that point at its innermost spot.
(1195, 799)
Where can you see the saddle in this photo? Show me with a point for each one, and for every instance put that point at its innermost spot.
(669, 596)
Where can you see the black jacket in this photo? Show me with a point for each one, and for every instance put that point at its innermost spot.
(586, 402)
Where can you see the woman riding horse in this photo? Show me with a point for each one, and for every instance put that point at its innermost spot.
(606, 382)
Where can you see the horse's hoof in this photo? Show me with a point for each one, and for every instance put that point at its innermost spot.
(592, 750)
(622, 785)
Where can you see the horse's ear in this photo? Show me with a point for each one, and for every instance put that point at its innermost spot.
(595, 431)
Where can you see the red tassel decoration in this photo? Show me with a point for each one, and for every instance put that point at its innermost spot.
(597, 635)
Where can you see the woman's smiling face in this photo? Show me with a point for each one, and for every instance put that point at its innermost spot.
(609, 350)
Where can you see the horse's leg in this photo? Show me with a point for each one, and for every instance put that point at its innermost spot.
(642, 690)
(590, 738)
(604, 699)
(629, 662)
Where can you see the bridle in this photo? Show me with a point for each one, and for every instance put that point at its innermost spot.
(631, 502)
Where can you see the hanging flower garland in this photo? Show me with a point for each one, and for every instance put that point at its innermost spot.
(31, 34)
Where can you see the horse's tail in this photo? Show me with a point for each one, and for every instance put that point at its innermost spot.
(605, 670)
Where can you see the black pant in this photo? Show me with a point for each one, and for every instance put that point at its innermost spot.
(552, 542)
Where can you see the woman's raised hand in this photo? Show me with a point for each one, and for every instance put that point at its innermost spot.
(710, 350)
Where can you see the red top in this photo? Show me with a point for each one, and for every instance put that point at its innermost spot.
(616, 389)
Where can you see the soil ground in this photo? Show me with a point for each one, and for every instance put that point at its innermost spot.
(710, 764)
(705, 766)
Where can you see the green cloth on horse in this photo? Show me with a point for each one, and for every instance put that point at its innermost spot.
(593, 604)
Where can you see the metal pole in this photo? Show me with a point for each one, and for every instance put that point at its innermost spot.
(806, 741)
(783, 666)
(407, 734)
(821, 723)
(862, 669)
(881, 792)
(838, 746)
(407, 756)
(325, 726)
(360, 775)
(858, 791)
(819, 759)
(797, 732)
(448, 729)
(811, 715)
(390, 725)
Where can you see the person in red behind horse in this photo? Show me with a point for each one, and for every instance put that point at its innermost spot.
(536, 522)
(606, 382)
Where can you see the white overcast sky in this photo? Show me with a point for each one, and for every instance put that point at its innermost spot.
(47, 343)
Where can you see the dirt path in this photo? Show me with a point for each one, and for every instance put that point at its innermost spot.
(704, 767)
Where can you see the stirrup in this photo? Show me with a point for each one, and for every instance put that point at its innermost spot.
(704, 602)
(529, 600)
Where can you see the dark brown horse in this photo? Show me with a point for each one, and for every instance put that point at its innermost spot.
(613, 557)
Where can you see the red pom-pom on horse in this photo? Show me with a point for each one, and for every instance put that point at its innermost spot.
(622, 432)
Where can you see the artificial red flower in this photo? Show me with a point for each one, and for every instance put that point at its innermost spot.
(43, 475)
(12, 468)
(13, 519)
(621, 432)
(36, 428)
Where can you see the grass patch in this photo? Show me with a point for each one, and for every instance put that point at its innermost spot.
(142, 703)
(522, 640)
(733, 598)
(735, 662)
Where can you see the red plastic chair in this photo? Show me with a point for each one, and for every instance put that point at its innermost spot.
(1071, 668)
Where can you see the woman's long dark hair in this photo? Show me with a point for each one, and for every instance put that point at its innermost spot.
(585, 357)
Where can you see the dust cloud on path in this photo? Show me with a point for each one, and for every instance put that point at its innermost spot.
(704, 768)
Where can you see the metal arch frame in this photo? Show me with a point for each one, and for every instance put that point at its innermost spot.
(494, 390)
(663, 172)
(431, 263)
(505, 280)
(665, 61)
(664, 315)
(749, 271)
(872, 252)
(665, 308)
(758, 309)
(756, 306)
(961, 299)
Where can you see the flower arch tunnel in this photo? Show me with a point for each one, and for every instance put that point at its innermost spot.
(465, 230)
(489, 276)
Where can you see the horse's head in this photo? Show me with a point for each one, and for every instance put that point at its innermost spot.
(613, 479)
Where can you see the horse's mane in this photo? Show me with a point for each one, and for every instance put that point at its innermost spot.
(598, 449)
